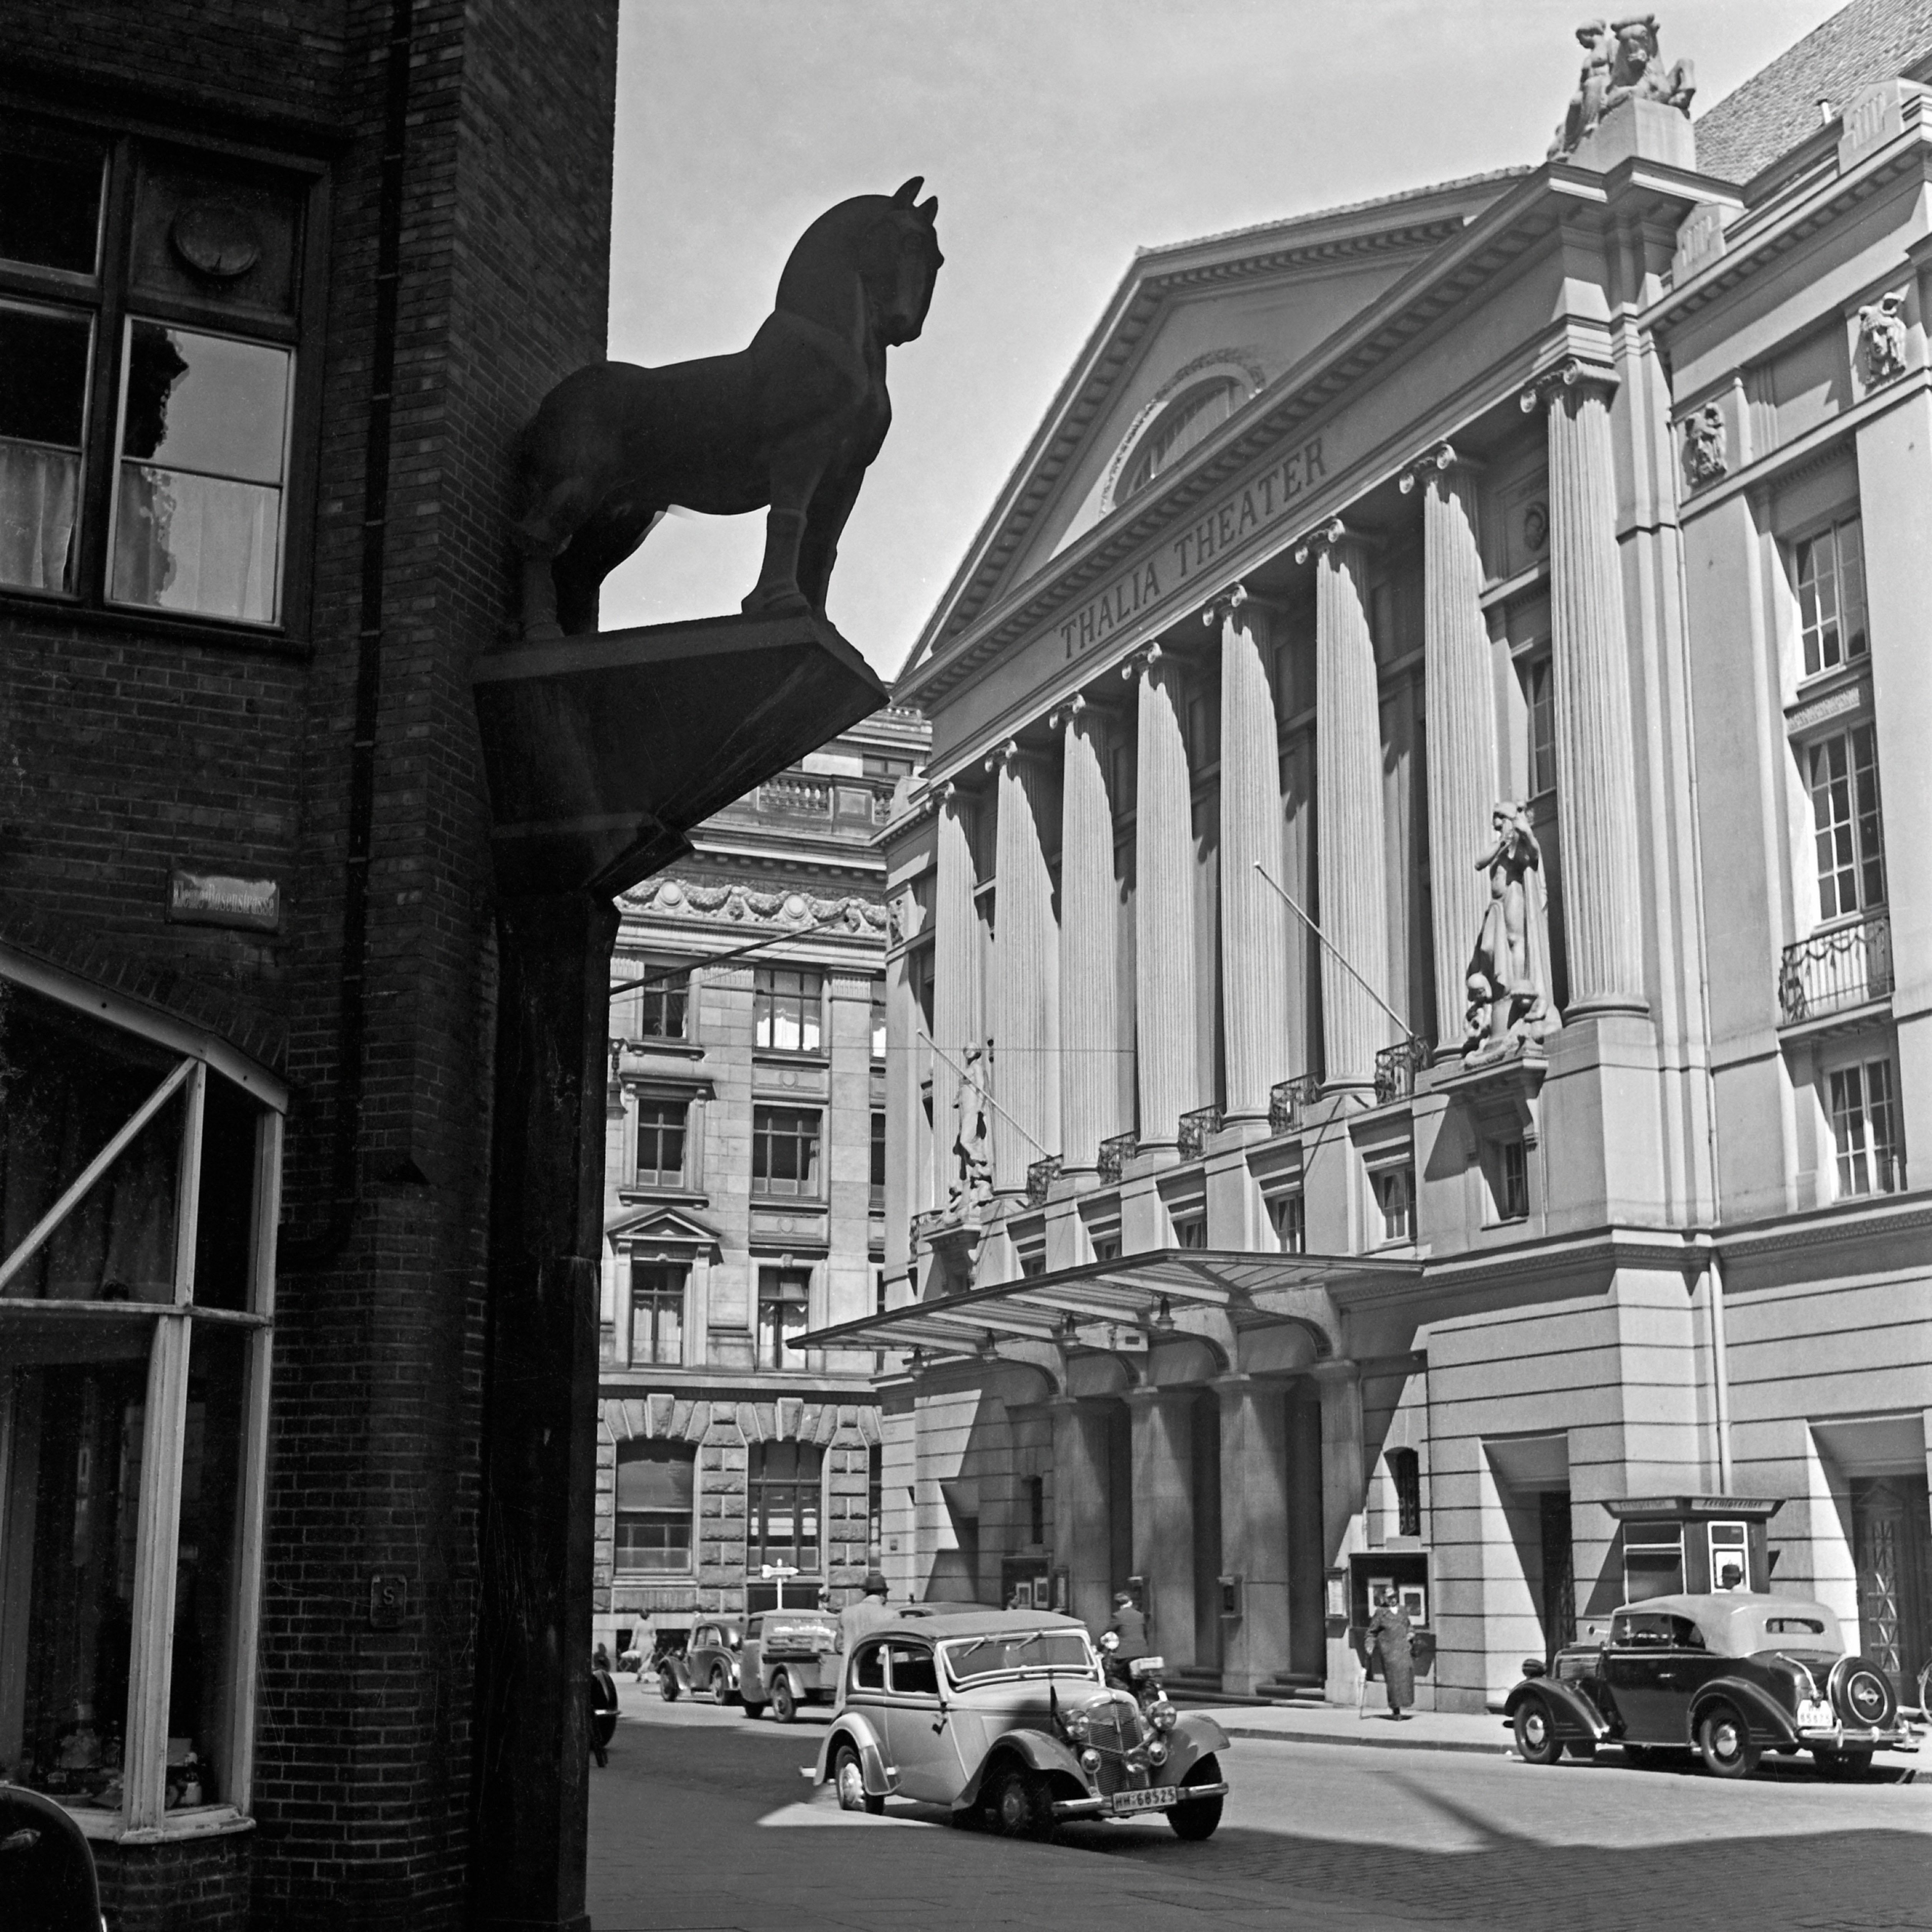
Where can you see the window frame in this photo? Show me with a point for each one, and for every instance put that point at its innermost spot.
(1827, 530)
(618, 1514)
(758, 1487)
(768, 1001)
(1806, 749)
(765, 1135)
(1883, 1161)
(157, 1520)
(107, 298)
(653, 1297)
(659, 1176)
(786, 1278)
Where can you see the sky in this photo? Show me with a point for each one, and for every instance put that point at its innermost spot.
(1059, 136)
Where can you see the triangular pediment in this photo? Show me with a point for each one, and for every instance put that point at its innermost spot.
(1228, 313)
(654, 1224)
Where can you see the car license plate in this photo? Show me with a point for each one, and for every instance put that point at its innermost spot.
(1814, 1716)
(1158, 1799)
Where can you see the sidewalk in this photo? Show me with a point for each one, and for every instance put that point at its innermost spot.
(1341, 1724)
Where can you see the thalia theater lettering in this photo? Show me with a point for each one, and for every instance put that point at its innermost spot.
(1224, 526)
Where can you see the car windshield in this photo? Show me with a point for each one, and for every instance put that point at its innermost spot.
(1058, 1652)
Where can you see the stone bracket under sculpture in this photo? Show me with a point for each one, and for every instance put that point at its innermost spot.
(602, 753)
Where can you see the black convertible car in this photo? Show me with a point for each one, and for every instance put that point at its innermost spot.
(1730, 1676)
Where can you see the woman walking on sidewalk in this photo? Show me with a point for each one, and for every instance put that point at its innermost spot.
(1391, 1636)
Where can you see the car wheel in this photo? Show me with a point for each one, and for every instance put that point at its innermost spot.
(1725, 1743)
(848, 1780)
(1536, 1738)
(721, 1684)
(1841, 1764)
(667, 1687)
(785, 1706)
(1019, 1806)
(1199, 1817)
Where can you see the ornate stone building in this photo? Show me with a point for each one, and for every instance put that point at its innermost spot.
(745, 1201)
(1307, 1175)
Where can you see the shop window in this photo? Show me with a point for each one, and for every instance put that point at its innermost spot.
(1539, 701)
(782, 1505)
(784, 1151)
(189, 298)
(1288, 1214)
(657, 1314)
(785, 1009)
(1395, 1201)
(784, 1297)
(1404, 1468)
(1863, 1098)
(1847, 825)
(1829, 572)
(657, 1483)
(132, 1426)
(1192, 416)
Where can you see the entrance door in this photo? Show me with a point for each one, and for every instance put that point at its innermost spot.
(1893, 1548)
(1559, 1572)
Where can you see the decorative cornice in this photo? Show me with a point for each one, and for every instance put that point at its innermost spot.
(739, 905)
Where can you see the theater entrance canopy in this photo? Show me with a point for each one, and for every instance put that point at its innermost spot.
(1129, 1304)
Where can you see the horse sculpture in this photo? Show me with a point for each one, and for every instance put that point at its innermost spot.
(792, 422)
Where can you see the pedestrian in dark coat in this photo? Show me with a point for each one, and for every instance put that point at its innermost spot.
(1130, 1625)
(1391, 1636)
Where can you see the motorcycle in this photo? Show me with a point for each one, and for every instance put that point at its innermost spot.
(1141, 1677)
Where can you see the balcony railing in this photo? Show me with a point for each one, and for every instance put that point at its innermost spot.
(1396, 1069)
(1832, 971)
(1114, 1154)
(1289, 1101)
(809, 798)
(1040, 1177)
(1194, 1129)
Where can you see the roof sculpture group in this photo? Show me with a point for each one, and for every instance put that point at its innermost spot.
(1622, 63)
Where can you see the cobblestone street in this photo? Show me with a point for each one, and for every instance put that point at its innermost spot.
(702, 1823)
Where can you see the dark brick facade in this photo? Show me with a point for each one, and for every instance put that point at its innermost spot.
(127, 745)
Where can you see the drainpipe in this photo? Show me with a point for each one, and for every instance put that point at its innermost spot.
(1720, 1370)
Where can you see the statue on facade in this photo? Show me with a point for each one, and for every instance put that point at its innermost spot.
(1622, 63)
(1882, 338)
(1704, 437)
(972, 1135)
(1509, 978)
(792, 422)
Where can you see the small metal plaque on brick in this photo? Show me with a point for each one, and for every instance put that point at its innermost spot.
(198, 896)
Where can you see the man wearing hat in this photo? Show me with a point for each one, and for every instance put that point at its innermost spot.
(1130, 1625)
(856, 1619)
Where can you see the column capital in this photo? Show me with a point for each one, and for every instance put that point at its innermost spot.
(1143, 657)
(1571, 372)
(1067, 711)
(1434, 462)
(1007, 753)
(1223, 605)
(1333, 535)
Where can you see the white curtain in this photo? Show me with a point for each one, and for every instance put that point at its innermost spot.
(39, 486)
(202, 543)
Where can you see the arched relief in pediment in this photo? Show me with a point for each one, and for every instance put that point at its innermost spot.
(1238, 365)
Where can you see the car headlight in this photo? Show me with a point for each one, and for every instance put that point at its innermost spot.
(1090, 1759)
(1074, 1724)
(1157, 1753)
(1164, 1716)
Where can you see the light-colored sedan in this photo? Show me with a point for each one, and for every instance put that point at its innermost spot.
(1006, 1714)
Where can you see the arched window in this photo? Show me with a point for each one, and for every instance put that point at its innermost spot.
(1190, 417)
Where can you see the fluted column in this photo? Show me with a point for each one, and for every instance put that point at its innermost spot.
(1089, 943)
(1255, 1508)
(1164, 988)
(1459, 701)
(956, 976)
(1024, 1006)
(1348, 814)
(1082, 1535)
(1596, 792)
(1254, 921)
(1163, 1468)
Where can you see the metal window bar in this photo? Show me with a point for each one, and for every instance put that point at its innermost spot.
(1115, 1152)
(1396, 1067)
(1833, 971)
(1195, 1126)
(1040, 1176)
(1289, 1100)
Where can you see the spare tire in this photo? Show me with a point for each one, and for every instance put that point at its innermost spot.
(1861, 1694)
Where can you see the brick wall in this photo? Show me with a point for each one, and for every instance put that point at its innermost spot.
(195, 1885)
(124, 748)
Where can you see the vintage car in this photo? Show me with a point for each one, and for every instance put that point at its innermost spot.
(1730, 1675)
(708, 1662)
(1004, 1718)
(790, 1658)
